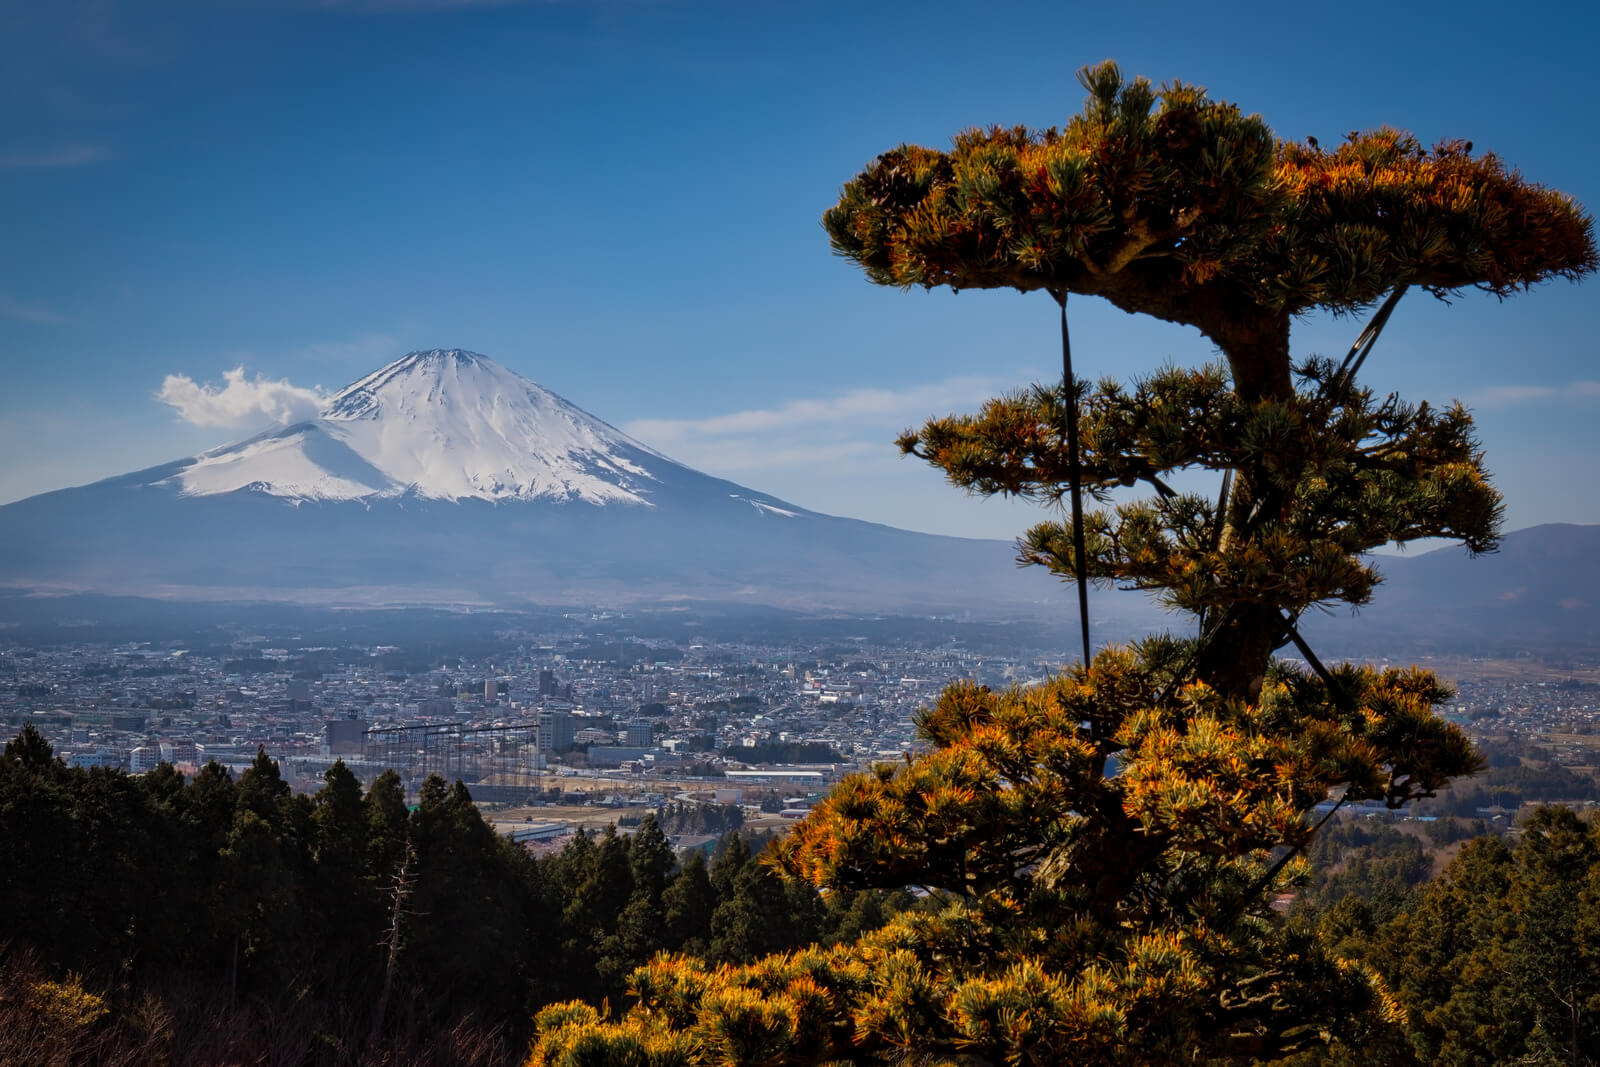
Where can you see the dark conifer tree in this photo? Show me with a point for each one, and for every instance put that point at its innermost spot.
(688, 903)
(651, 859)
(30, 750)
(387, 827)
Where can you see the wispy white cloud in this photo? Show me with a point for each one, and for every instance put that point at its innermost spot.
(240, 401)
(809, 448)
(407, 7)
(1506, 396)
(725, 459)
(22, 311)
(858, 407)
(836, 454)
(67, 155)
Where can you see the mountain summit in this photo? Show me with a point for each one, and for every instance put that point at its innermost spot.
(445, 477)
(444, 425)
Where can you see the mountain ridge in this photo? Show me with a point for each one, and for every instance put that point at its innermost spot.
(443, 423)
(442, 472)
(1541, 589)
(603, 519)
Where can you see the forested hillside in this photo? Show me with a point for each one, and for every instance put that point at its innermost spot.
(154, 919)
(158, 920)
(1495, 961)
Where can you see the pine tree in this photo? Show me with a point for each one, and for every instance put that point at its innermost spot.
(1499, 959)
(1101, 850)
(688, 903)
(651, 858)
(384, 809)
(1174, 205)
(30, 750)
(338, 827)
(1553, 957)
(346, 910)
(261, 869)
(475, 917)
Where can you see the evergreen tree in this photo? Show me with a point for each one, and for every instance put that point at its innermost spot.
(261, 870)
(224, 922)
(261, 788)
(30, 750)
(642, 925)
(732, 854)
(208, 806)
(753, 919)
(345, 917)
(1101, 849)
(688, 903)
(1173, 205)
(594, 913)
(36, 837)
(650, 857)
(387, 826)
(1553, 955)
(337, 821)
(474, 888)
(1499, 961)
(851, 916)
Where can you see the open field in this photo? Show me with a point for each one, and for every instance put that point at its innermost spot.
(1510, 670)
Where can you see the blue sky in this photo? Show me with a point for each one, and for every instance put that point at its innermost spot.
(620, 200)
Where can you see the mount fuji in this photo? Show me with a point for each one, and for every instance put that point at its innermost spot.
(440, 426)
(446, 478)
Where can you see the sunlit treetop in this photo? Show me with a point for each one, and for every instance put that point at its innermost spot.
(1171, 204)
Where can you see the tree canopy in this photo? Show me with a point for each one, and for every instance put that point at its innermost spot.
(1168, 203)
(1101, 851)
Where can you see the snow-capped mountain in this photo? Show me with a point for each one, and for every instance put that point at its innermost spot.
(445, 477)
(445, 425)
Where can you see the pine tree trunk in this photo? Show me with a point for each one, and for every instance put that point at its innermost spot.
(1572, 1019)
(1235, 654)
(1234, 660)
(400, 897)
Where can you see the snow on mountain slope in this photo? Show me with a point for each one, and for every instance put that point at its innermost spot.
(445, 478)
(443, 424)
(303, 462)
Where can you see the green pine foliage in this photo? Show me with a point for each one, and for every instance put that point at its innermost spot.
(1365, 867)
(687, 817)
(1497, 961)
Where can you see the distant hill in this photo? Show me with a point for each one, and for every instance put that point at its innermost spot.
(1540, 591)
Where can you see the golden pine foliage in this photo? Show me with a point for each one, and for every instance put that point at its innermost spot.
(1172, 204)
(1098, 852)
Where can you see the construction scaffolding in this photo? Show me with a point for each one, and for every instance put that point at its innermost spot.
(503, 754)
